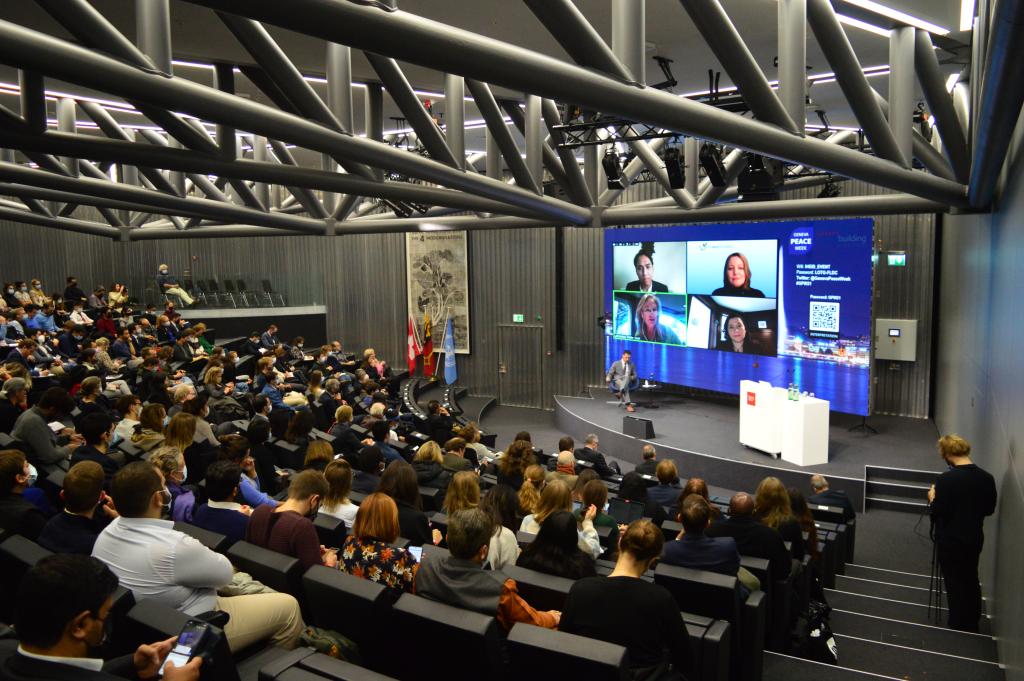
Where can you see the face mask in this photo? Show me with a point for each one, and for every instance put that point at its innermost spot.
(163, 271)
(33, 475)
(167, 419)
(166, 506)
(184, 473)
(40, 338)
(77, 337)
(10, 290)
(24, 288)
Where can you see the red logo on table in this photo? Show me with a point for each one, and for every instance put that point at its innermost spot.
(752, 399)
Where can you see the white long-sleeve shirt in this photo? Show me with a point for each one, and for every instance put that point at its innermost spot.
(153, 560)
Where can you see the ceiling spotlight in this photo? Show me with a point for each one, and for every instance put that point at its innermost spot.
(613, 170)
(831, 189)
(675, 168)
(761, 179)
(711, 162)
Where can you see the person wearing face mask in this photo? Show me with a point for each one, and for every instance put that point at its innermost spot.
(9, 298)
(171, 463)
(44, 319)
(13, 401)
(32, 428)
(63, 640)
(21, 294)
(97, 299)
(78, 315)
(37, 295)
(153, 560)
(165, 331)
(18, 514)
(69, 343)
(168, 284)
(289, 528)
(72, 293)
(98, 431)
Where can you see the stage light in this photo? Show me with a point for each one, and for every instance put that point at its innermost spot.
(675, 168)
(613, 170)
(761, 179)
(711, 162)
(830, 191)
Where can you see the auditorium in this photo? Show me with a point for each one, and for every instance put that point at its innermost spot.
(321, 319)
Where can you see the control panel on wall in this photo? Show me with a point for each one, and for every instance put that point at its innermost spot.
(896, 339)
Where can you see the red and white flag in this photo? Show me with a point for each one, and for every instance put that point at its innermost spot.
(414, 346)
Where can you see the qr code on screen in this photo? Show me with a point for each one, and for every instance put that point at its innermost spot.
(824, 317)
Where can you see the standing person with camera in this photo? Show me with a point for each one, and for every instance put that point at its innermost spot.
(960, 499)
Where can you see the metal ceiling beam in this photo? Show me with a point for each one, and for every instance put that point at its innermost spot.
(727, 44)
(630, 172)
(577, 37)
(629, 36)
(33, 100)
(429, 43)
(199, 178)
(734, 165)
(577, 185)
(549, 159)
(455, 116)
(940, 102)
(654, 163)
(792, 20)
(32, 49)
(153, 28)
(901, 88)
(66, 224)
(488, 107)
(304, 195)
(732, 191)
(930, 157)
(1001, 98)
(195, 162)
(852, 81)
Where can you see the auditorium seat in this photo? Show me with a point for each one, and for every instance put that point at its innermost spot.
(540, 590)
(17, 555)
(332, 531)
(318, 667)
(355, 607)
(713, 595)
(432, 498)
(556, 654)
(431, 631)
(711, 642)
(276, 570)
(211, 540)
(778, 597)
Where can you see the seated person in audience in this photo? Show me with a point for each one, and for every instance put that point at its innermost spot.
(105, 324)
(370, 464)
(823, 496)
(181, 394)
(318, 455)
(585, 476)
(565, 465)
(399, 482)
(377, 369)
(183, 350)
(463, 493)
(91, 399)
(694, 549)
(629, 611)
(261, 408)
(254, 486)
(429, 466)
(150, 431)
(32, 428)
(154, 560)
(502, 504)
(700, 488)
(166, 332)
(439, 423)
(18, 514)
(13, 402)
(346, 442)
(557, 497)
(455, 455)
(57, 642)
(460, 580)
(273, 391)
(169, 285)
(752, 537)
(98, 431)
(595, 493)
(666, 492)
(129, 408)
(369, 553)
(802, 513)
(69, 343)
(555, 550)
(650, 462)
(72, 293)
(79, 317)
(772, 508)
(534, 482)
(251, 346)
(634, 488)
(199, 407)
(171, 463)
(221, 513)
(380, 432)
(22, 354)
(87, 510)
(339, 483)
(512, 464)
(589, 452)
(289, 528)
(269, 339)
(96, 299)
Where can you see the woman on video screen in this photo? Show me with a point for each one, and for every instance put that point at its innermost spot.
(648, 325)
(736, 332)
(736, 277)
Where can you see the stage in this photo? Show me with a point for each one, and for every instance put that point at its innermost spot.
(702, 437)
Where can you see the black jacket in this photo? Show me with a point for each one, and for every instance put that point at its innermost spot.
(835, 497)
(439, 428)
(413, 524)
(756, 540)
(597, 458)
(431, 474)
(21, 516)
(17, 667)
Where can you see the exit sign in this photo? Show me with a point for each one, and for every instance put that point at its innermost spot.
(518, 319)
(897, 259)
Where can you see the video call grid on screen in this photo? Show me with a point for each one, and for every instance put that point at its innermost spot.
(746, 292)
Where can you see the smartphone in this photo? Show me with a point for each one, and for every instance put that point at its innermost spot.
(417, 552)
(189, 641)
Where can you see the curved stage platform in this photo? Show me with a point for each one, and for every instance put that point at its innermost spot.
(702, 437)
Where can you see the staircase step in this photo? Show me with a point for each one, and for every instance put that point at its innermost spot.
(909, 663)
(891, 576)
(899, 490)
(889, 609)
(918, 636)
(779, 667)
(882, 589)
(894, 503)
(903, 475)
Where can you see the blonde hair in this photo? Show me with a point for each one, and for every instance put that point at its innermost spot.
(180, 431)
(318, 450)
(181, 392)
(555, 497)
(343, 414)
(463, 492)
(529, 493)
(166, 459)
(213, 375)
(339, 480)
(429, 451)
(771, 503)
(377, 410)
(102, 342)
(953, 446)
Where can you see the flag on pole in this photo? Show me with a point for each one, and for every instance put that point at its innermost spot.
(414, 346)
(450, 374)
(428, 347)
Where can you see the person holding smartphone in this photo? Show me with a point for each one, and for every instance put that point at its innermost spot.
(77, 591)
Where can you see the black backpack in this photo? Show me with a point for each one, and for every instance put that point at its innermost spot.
(812, 638)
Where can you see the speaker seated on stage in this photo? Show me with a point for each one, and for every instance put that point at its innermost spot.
(588, 452)
(622, 379)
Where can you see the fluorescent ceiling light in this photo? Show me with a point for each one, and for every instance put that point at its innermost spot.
(966, 15)
(897, 15)
(863, 25)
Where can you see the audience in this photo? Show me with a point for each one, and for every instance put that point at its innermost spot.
(626, 610)
(13, 402)
(289, 528)
(824, 496)
(565, 469)
(18, 514)
(595, 494)
(153, 560)
(772, 508)
(428, 462)
(633, 488)
(501, 503)
(557, 497)
(649, 465)
(171, 463)
(339, 483)
(33, 428)
(87, 510)
(149, 432)
(555, 550)
(369, 552)
(98, 431)
(399, 483)
(667, 492)
(752, 537)
(463, 493)
(533, 484)
(455, 456)
(460, 580)
(589, 453)
(370, 464)
(221, 513)
(513, 463)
